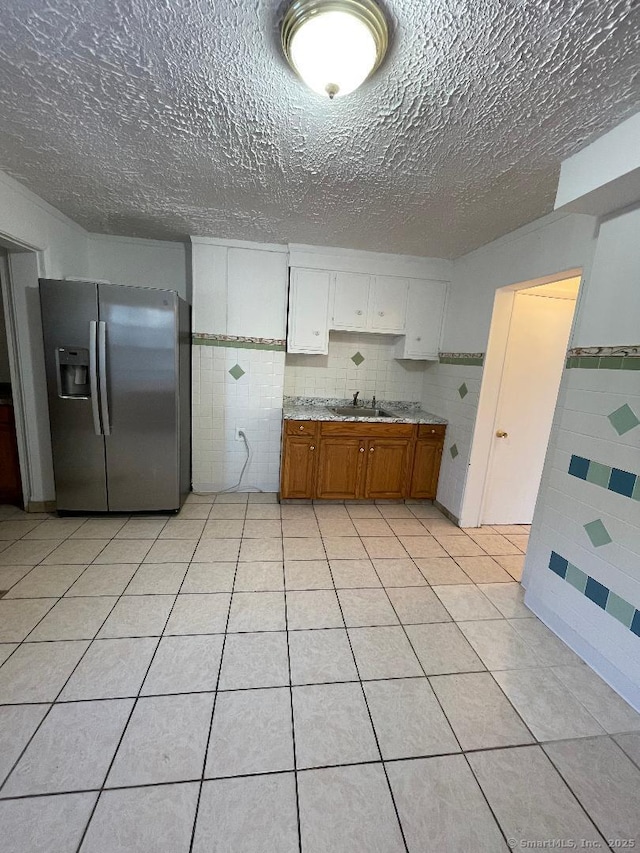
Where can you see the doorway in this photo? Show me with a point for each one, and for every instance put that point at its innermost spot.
(528, 341)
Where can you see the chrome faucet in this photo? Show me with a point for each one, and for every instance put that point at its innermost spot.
(355, 399)
(373, 402)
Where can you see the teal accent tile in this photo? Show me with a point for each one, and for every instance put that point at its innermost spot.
(623, 419)
(597, 533)
(589, 362)
(463, 390)
(453, 450)
(236, 371)
(357, 359)
(620, 609)
(610, 362)
(636, 491)
(598, 474)
(630, 362)
(576, 578)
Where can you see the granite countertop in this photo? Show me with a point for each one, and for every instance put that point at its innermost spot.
(319, 409)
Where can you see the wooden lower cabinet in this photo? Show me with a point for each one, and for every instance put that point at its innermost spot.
(387, 468)
(355, 460)
(10, 481)
(426, 468)
(299, 467)
(340, 467)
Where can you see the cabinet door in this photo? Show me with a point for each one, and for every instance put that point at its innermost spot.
(10, 482)
(388, 304)
(340, 465)
(426, 468)
(425, 312)
(298, 467)
(387, 467)
(308, 329)
(351, 301)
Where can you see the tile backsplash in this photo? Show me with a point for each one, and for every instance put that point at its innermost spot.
(356, 362)
(236, 387)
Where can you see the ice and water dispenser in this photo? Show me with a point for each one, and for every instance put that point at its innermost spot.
(72, 369)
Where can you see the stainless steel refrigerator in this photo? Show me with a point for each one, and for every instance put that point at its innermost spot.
(119, 387)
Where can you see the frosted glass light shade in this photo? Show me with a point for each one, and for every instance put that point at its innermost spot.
(334, 45)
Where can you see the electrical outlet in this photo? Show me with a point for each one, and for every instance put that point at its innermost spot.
(239, 430)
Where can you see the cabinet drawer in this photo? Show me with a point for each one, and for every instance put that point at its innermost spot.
(366, 429)
(428, 430)
(301, 427)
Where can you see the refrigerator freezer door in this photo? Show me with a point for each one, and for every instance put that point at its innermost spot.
(69, 308)
(139, 390)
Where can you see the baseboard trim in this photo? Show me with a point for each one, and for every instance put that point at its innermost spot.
(41, 506)
(446, 512)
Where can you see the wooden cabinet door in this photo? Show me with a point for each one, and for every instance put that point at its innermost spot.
(10, 482)
(425, 313)
(426, 468)
(388, 303)
(387, 468)
(351, 301)
(340, 465)
(308, 322)
(298, 467)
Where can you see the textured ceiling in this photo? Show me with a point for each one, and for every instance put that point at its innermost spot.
(163, 118)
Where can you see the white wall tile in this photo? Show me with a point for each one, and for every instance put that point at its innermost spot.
(221, 404)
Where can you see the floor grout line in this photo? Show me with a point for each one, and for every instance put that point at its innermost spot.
(323, 524)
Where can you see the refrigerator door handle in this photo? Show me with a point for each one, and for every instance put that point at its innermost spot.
(93, 377)
(102, 376)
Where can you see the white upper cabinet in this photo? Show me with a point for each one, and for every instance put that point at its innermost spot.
(387, 304)
(308, 327)
(425, 313)
(320, 300)
(351, 301)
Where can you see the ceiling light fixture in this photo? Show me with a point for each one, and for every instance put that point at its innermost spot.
(334, 45)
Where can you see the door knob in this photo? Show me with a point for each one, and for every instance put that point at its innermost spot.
(312, 447)
(502, 434)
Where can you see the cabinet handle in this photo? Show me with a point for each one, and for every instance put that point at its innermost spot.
(371, 449)
(362, 450)
(433, 430)
(312, 447)
(358, 313)
(381, 313)
(316, 333)
(301, 427)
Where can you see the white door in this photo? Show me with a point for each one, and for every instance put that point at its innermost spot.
(425, 312)
(535, 356)
(308, 329)
(388, 304)
(351, 301)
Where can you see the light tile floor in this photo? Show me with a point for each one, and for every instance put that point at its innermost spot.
(252, 678)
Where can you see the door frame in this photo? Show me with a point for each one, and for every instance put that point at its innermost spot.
(482, 444)
(8, 278)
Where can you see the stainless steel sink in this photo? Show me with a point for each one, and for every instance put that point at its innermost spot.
(360, 412)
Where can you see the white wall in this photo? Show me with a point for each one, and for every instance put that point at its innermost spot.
(566, 503)
(554, 244)
(538, 252)
(140, 263)
(5, 375)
